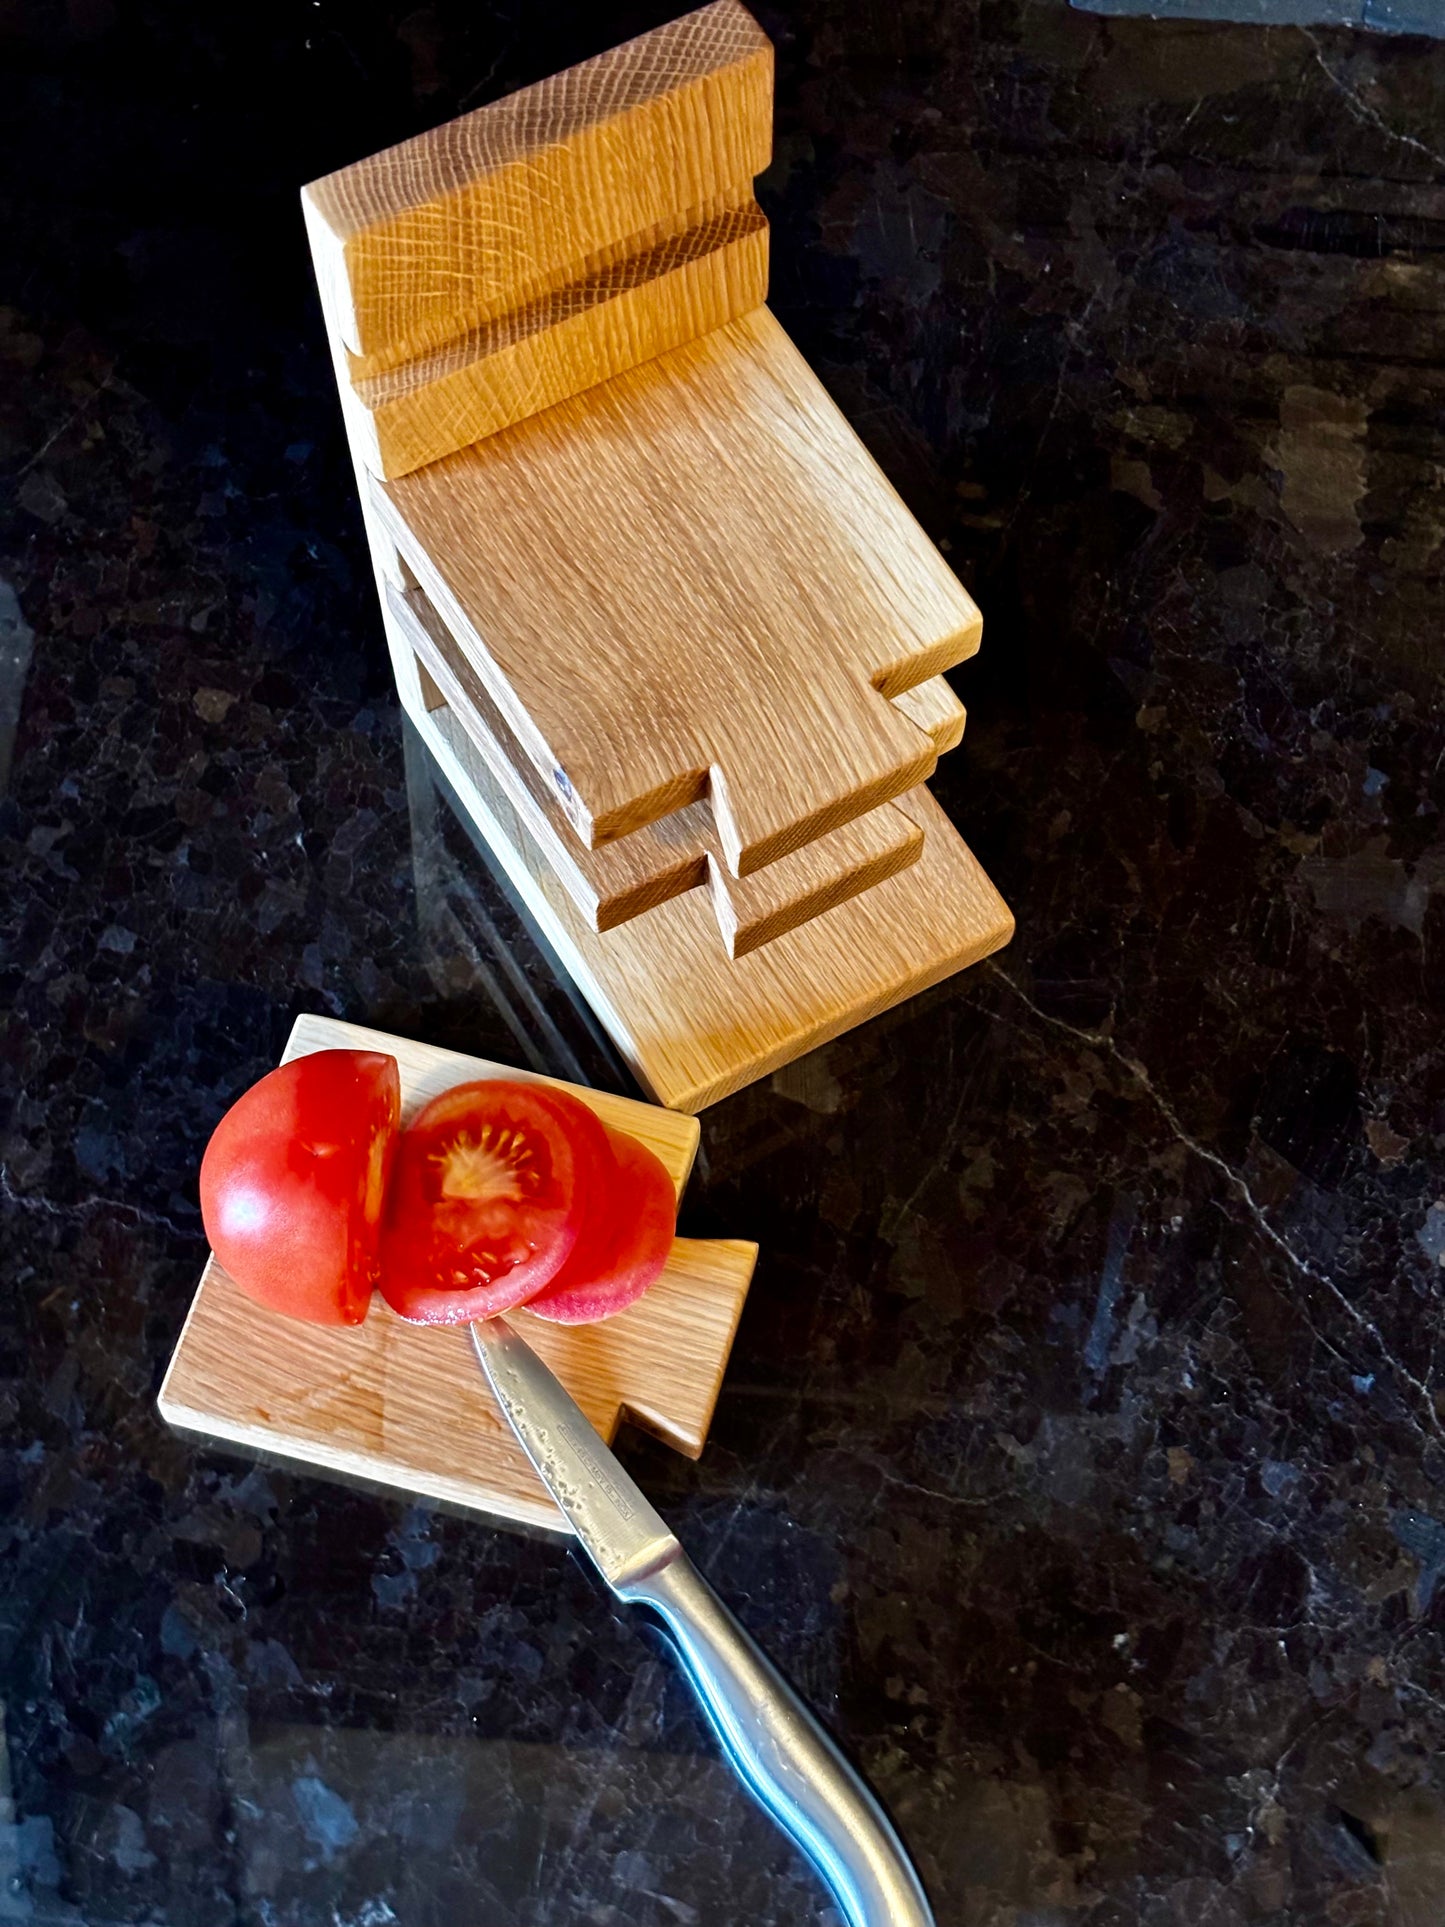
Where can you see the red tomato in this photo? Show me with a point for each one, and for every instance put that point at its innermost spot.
(293, 1180)
(494, 1183)
(598, 1282)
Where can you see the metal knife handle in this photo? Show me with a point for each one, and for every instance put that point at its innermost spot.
(782, 1753)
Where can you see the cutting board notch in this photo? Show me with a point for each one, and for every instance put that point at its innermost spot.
(675, 642)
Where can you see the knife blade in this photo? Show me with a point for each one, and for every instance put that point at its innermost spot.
(777, 1747)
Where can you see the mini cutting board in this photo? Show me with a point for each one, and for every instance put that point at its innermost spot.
(692, 580)
(623, 879)
(694, 1026)
(407, 1406)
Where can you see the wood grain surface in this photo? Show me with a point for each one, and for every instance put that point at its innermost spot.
(694, 1026)
(693, 580)
(408, 1407)
(933, 706)
(476, 219)
(622, 880)
(597, 326)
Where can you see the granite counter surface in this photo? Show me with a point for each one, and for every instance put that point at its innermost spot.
(1083, 1452)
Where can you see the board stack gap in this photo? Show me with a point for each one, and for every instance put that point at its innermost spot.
(674, 640)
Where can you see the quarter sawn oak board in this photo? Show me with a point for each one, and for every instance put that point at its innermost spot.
(480, 272)
(683, 660)
(502, 371)
(619, 881)
(408, 1407)
(695, 1027)
(419, 243)
(692, 580)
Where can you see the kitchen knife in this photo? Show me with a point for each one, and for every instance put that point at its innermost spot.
(779, 1750)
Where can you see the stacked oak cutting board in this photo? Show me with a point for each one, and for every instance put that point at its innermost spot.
(673, 638)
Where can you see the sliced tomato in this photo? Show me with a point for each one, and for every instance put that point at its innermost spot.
(493, 1187)
(614, 1271)
(293, 1181)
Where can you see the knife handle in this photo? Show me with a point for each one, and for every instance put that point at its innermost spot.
(783, 1755)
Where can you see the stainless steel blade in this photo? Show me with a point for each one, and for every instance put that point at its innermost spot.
(622, 1533)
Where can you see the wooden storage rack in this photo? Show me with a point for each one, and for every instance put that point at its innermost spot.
(673, 638)
(405, 1406)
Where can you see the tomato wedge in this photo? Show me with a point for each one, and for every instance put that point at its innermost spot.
(613, 1274)
(493, 1186)
(293, 1181)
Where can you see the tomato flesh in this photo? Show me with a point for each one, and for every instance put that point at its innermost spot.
(293, 1182)
(619, 1267)
(493, 1186)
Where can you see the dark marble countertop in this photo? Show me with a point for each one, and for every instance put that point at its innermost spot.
(1082, 1455)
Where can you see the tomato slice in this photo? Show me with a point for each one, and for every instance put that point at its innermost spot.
(293, 1181)
(494, 1184)
(615, 1272)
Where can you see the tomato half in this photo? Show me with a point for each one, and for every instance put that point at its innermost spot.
(293, 1181)
(596, 1283)
(494, 1183)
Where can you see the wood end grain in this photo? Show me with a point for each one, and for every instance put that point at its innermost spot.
(501, 207)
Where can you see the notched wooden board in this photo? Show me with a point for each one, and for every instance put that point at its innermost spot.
(692, 580)
(695, 1027)
(484, 270)
(933, 706)
(624, 879)
(408, 1407)
(684, 589)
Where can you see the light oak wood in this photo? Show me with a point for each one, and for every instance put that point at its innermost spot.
(695, 1027)
(505, 370)
(931, 707)
(936, 711)
(756, 910)
(692, 581)
(622, 880)
(676, 595)
(408, 1407)
(417, 246)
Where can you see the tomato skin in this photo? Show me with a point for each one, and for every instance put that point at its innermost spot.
(293, 1182)
(594, 1283)
(461, 1240)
